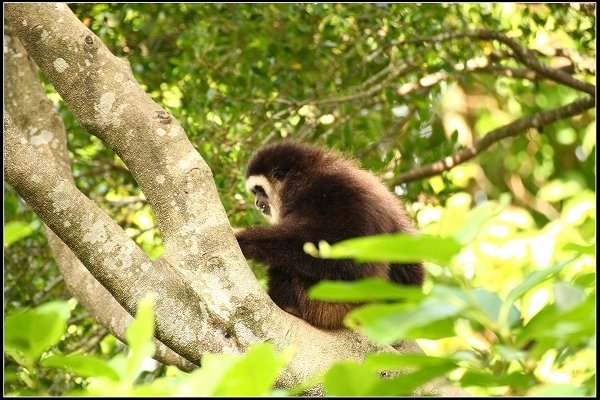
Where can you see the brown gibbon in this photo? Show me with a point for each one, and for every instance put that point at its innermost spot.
(310, 194)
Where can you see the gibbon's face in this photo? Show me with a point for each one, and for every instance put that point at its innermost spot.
(266, 197)
(274, 170)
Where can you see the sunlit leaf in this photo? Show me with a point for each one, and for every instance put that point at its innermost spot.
(570, 326)
(387, 323)
(81, 365)
(562, 390)
(477, 218)
(139, 336)
(567, 296)
(491, 304)
(559, 189)
(534, 279)
(255, 373)
(371, 289)
(516, 380)
(589, 249)
(15, 231)
(31, 332)
(396, 248)
(389, 361)
(406, 384)
(350, 379)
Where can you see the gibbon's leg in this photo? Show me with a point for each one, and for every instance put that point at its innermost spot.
(284, 291)
(322, 314)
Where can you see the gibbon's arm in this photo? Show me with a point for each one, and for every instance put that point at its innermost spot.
(282, 248)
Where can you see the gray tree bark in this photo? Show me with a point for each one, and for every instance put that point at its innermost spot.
(207, 299)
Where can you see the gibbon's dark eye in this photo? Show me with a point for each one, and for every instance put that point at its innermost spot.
(258, 191)
(279, 173)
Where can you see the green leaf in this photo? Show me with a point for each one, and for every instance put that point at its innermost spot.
(490, 304)
(395, 248)
(205, 381)
(350, 378)
(388, 323)
(586, 280)
(567, 296)
(534, 279)
(82, 365)
(516, 380)
(477, 218)
(390, 361)
(139, 337)
(510, 353)
(589, 249)
(559, 189)
(558, 390)
(406, 384)
(28, 333)
(15, 231)
(371, 289)
(255, 373)
(553, 325)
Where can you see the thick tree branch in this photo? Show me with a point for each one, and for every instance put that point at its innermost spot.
(513, 129)
(34, 114)
(522, 53)
(111, 257)
(199, 244)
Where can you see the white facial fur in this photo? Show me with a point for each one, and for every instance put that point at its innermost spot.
(271, 190)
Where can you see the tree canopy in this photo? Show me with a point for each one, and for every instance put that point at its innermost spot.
(480, 116)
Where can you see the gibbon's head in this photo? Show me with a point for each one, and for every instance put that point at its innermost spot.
(273, 167)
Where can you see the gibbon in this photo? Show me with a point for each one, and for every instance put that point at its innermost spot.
(310, 194)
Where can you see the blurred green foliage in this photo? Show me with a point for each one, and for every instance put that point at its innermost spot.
(239, 75)
(523, 337)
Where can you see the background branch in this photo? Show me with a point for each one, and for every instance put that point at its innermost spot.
(522, 53)
(514, 128)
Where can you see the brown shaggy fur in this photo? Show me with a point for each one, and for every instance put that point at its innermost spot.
(323, 197)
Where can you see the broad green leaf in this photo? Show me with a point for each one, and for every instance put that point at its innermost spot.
(516, 380)
(371, 289)
(558, 390)
(559, 189)
(567, 296)
(255, 373)
(15, 231)
(510, 353)
(396, 248)
(226, 374)
(491, 305)
(81, 365)
(139, 337)
(585, 280)
(29, 333)
(431, 319)
(454, 214)
(534, 279)
(205, 381)
(477, 218)
(102, 386)
(388, 323)
(350, 379)
(406, 384)
(589, 249)
(390, 361)
(570, 326)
